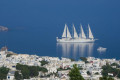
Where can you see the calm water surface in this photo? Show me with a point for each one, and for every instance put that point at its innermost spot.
(35, 24)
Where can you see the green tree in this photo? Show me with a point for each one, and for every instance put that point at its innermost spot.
(33, 71)
(115, 64)
(88, 73)
(25, 72)
(74, 74)
(72, 59)
(43, 62)
(108, 69)
(110, 78)
(3, 73)
(42, 69)
(30, 71)
(96, 73)
(18, 76)
(84, 59)
(8, 55)
(105, 78)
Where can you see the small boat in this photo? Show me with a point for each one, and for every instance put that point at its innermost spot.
(101, 49)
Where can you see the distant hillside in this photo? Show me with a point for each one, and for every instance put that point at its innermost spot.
(2, 28)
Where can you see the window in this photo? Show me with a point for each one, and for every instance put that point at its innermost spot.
(8, 77)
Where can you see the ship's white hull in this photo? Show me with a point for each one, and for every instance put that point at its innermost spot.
(68, 40)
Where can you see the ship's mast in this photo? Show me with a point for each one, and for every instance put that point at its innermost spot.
(72, 32)
(64, 35)
(90, 33)
(75, 33)
(68, 33)
(82, 33)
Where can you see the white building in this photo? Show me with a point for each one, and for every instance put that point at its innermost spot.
(10, 75)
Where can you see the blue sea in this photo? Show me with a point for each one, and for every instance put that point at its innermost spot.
(35, 24)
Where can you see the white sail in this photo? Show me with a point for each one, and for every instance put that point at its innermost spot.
(64, 32)
(75, 33)
(82, 33)
(81, 38)
(68, 33)
(90, 32)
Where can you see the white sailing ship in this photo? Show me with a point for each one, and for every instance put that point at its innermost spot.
(66, 36)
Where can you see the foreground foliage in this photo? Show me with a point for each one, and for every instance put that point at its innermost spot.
(106, 78)
(18, 76)
(43, 62)
(74, 74)
(109, 69)
(8, 55)
(3, 73)
(61, 69)
(30, 71)
(84, 59)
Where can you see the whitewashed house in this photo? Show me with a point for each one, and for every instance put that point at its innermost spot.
(10, 75)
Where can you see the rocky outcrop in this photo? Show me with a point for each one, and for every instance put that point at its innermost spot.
(2, 28)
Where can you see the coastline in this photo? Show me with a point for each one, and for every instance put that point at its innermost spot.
(55, 65)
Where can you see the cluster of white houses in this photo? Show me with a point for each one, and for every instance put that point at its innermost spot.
(93, 67)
